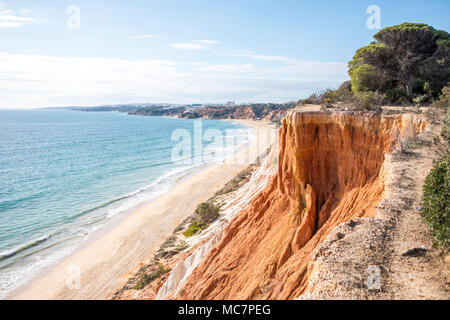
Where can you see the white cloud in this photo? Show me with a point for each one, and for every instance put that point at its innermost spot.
(32, 80)
(36, 81)
(6, 17)
(10, 24)
(198, 63)
(188, 46)
(208, 41)
(310, 68)
(146, 36)
(295, 66)
(194, 45)
(226, 68)
(252, 55)
(9, 20)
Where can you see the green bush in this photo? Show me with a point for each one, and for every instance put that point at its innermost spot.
(330, 97)
(444, 99)
(208, 212)
(421, 99)
(446, 127)
(145, 278)
(194, 228)
(323, 97)
(366, 78)
(314, 98)
(443, 104)
(436, 201)
(427, 88)
(445, 96)
(418, 86)
(368, 100)
(396, 96)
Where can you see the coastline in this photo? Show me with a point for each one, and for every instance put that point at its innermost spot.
(109, 260)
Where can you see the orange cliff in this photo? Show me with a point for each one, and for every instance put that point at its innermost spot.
(331, 169)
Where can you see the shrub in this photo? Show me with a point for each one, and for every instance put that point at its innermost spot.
(407, 140)
(367, 78)
(445, 96)
(238, 180)
(315, 98)
(436, 201)
(368, 100)
(427, 87)
(435, 109)
(396, 96)
(194, 228)
(418, 86)
(444, 99)
(208, 212)
(344, 93)
(181, 247)
(446, 127)
(421, 99)
(330, 97)
(145, 278)
(432, 113)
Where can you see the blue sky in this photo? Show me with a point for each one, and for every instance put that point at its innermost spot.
(186, 51)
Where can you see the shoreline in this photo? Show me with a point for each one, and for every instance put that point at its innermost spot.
(110, 257)
(94, 236)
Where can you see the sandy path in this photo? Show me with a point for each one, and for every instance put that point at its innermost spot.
(106, 263)
(423, 276)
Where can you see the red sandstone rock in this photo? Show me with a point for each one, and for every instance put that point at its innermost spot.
(330, 171)
(243, 113)
(276, 114)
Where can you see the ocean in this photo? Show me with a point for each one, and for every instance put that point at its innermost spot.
(64, 175)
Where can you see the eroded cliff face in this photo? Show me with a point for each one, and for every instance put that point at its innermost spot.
(243, 113)
(276, 114)
(330, 170)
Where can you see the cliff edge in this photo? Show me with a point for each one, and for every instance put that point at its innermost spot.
(333, 168)
(332, 213)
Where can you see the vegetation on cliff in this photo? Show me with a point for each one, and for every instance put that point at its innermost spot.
(436, 201)
(194, 228)
(206, 212)
(270, 111)
(410, 56)
(436, 189)
(250, 111)
(146, 278)
(446, 127)
(406, 64)
(444, 104)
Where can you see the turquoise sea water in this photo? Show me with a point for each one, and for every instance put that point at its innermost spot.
(65, 174)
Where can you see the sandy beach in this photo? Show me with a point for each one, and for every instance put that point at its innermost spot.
(105, 264)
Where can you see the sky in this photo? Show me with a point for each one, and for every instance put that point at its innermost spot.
(86, 53)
